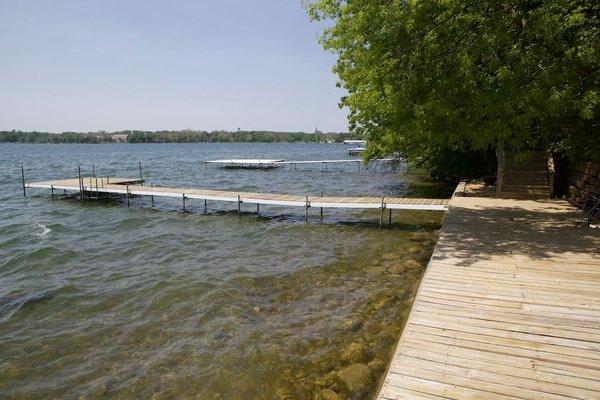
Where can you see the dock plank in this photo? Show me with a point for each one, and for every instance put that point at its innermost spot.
(509, 307)
(118, 185)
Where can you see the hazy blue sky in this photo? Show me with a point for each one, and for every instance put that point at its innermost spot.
(198, 64)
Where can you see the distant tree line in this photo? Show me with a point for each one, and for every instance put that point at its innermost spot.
(47, 137)
(184, 136)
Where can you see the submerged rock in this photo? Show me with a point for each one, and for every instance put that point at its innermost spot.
(375, 269)
(355, 353)
(428, 243)
(377, 365)
(396, 269)
(330, 395)
(356, 377)
(412, 264)
(352, 325)
(98, 391)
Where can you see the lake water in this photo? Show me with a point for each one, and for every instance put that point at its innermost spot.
(98, 300)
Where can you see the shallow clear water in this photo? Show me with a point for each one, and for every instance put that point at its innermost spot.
(98, 300)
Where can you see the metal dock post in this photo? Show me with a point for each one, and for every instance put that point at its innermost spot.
(80, 183)
(23, 181)
(306, 210)
(321, 208)
(381, 213)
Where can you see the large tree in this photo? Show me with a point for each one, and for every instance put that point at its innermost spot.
(429, 78)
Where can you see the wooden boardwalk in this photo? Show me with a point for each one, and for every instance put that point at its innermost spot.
(509, 307)
(127, 186)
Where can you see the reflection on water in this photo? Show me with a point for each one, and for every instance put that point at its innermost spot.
(102, 301)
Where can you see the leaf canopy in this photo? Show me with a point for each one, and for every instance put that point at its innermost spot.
(427, 77)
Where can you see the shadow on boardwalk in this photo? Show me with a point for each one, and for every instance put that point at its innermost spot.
(478, 229)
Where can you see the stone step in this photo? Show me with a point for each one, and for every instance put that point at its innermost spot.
(527, 168)
(525, 182)
(526, 174)
(526, 189)
(535, 155)
(530, 158)
(523, 196)
(517, 180)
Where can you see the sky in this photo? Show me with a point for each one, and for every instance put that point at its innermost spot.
(89, 65)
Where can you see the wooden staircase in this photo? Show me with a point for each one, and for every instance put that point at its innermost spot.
(525, 176)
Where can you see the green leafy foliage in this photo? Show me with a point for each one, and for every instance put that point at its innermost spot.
(428, 78)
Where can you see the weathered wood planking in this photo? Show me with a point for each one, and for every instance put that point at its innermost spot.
(509, 307)
(131, 186)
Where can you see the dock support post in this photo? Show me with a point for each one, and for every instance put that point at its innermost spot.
(258, 205)
(127, 188)
(239, 205)
(152, 197)
(183, 199)
(306, 210)
(322, 165)
(390, 218)
(205, 207)
(23, 181)
(381, 213)
(321, 208)
(141, 176)
(52, 191)
(80, 183)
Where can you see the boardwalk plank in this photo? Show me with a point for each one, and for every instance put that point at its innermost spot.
(509, 307)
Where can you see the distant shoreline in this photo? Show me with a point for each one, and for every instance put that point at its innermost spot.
(185, 136)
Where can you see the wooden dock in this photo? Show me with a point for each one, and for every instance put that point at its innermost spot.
(509, 307)
(128, 187)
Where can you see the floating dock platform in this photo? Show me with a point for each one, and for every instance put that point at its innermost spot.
(247, 163)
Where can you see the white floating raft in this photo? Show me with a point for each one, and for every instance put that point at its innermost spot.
(250, 163)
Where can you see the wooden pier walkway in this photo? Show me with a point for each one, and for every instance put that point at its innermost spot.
(509, 307)
(128, 187)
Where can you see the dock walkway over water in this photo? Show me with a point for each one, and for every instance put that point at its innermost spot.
(128, 187)
(509, 307)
